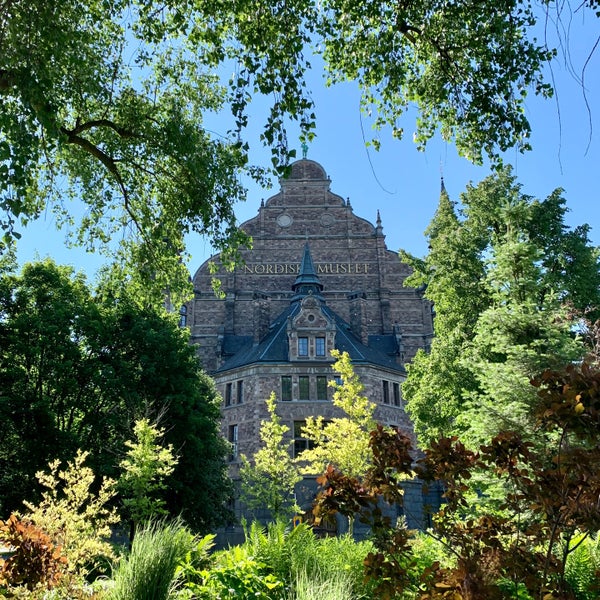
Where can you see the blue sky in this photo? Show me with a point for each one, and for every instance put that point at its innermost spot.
(404, 184)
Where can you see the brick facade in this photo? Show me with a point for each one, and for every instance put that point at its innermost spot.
(360, 303)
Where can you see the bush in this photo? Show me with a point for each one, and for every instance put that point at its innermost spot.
(35, 561)
(296, 557)
(234, 574)
(75, 513)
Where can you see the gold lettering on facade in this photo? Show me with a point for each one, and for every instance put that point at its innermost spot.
(294, 268)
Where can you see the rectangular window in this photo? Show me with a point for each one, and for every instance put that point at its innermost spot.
(303, 387)
(286, 388)
(320, 346)
(396, 394)
(300, 442)
(321, 387)
(233, 440)
(240, 392)
(302, 346)
(228, 394)
(386, 392)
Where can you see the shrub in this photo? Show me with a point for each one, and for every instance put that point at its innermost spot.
(73, 515)
(295, 556)
(234, 574)
(36, 561)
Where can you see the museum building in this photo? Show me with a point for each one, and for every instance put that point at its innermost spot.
(317, 277)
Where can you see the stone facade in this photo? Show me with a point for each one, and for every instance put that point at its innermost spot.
(317, 277)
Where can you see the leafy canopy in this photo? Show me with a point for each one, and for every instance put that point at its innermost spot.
(78, 369)
(104, 101)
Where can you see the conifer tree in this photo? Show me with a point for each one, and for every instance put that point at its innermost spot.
(510, 283)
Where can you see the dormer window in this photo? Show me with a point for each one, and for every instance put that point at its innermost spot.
(302, 346)
(320, 346)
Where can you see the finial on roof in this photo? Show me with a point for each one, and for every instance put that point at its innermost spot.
(307, 281)
(304, 146)
(442, 185)
(378, 228)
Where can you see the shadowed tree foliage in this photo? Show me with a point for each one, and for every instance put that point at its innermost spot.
(77, 371)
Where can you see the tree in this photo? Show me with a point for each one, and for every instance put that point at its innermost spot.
(342, 442)
(510, 284)
(144, 469)
(103, 101)
(521, 548)
(77, 370)
(268, 480)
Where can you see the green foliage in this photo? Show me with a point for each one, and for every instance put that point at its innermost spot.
(268, 481)
(510, 283)
(144, 469)
(35, 561)
(235, 574)
(525, 547)
(342, 442)
(297, 556)
(150, 571)
(583, 566)
(103, 101)
(78, 369)
(322, 586)
(75, 512)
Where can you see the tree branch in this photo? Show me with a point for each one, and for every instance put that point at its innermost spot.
(81, 127)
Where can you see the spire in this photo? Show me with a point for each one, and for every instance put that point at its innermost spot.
(379, 228)
(307, 282)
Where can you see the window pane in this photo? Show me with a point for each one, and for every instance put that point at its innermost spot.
(228, 394)
(321, 387)
(286, 388)
(320, 346)
(240, 392)
(233, 440)
(396, 394)
(386, 392)
(303, 388)
(300, 442)
(302, 346)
